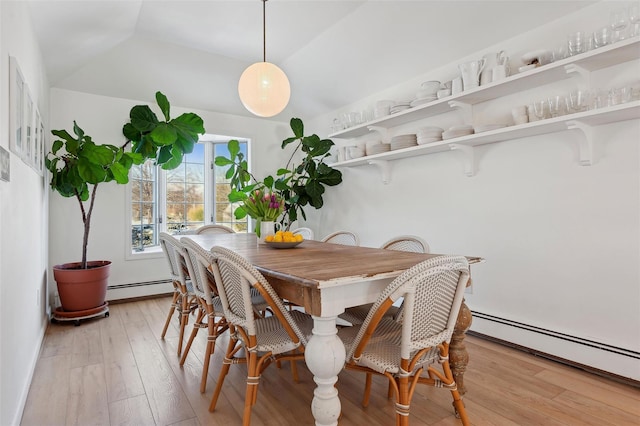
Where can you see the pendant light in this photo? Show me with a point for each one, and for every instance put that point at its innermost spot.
(263, 87)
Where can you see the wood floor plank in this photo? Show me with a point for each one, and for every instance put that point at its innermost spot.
(137, 379)
(87, 403)
(133, 411)
(47, 399)
(166, 398)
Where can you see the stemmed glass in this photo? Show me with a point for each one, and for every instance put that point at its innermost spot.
(557, 105)
(619, 21)
(634, 19)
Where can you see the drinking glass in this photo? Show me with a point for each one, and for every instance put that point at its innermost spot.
(602, 37)
(576, 43)
(578, 101)
(557, 105)
(619, 21)
(634, 19)
(540, 109)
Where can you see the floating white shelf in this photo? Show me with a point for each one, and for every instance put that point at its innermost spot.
(578, 66)
(582, 121)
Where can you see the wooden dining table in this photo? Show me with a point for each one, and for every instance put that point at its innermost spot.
(325, 279)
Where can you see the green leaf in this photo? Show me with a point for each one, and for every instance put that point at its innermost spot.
(288, 141)
(164, 154)
(234, 148)
(163, 134)
(130, 132)
(163, 103)
(175, 160)
(240, 213)
(314, 189)
(77, 130)
(143, 119)
(281, 172)
(91, 173)
(120, 173)
(56, 146)
(222, 161)
(297, 127)
(333, 178)
(320, 147)
(268, 181)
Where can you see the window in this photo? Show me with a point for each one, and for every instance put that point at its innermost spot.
(185, 198)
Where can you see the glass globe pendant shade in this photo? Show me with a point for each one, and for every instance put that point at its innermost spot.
(264, 89)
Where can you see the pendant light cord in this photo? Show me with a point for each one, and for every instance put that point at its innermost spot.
(264, 31)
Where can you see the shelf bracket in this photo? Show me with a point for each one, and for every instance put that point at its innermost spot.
(583, 74)
(585, 144)
(385, 170)
(467, 114)
(383, 131)
(469, 157)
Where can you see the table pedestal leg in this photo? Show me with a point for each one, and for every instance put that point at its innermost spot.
(325, 356)
(458, 356)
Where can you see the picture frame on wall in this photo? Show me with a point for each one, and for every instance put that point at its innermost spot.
(5, 164)
(27, 127)
(16, 107)
(40, 146)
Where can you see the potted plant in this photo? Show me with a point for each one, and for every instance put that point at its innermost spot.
(297, 185)
(78, 165)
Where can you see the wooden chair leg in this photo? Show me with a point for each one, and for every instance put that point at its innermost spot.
(211, 347)
(252, 387)
(174, 303)
(184, 319)
(367, 390)
(197, 325)
(223, 373)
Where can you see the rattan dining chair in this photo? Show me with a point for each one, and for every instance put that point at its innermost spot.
(281, 336)
(411, 243)
(307, 233)
(433, 292)
(183, 300)
(345, 238)
(214, 229)
(210, 313)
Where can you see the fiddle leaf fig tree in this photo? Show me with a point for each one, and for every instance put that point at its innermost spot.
(298, 184)
(78, 165)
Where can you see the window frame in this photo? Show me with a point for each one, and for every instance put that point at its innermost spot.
(160, 188)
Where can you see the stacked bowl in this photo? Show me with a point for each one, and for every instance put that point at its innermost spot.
(428, 93)
(457, 131)
(429, 135)
(403, 141)
(400, 106)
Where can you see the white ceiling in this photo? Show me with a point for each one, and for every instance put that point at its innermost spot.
(334, 52)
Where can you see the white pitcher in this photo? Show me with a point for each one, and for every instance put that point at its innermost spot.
(267, 228)
(492, 60)
(470, 73)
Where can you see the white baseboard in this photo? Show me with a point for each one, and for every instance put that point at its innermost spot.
(617, 361)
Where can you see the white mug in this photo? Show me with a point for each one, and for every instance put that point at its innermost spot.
(456, 85)
(499, 72)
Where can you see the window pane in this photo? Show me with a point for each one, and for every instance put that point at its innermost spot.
(195, 193)
(176, 175)
(143, 207)
(195, 172)
(175, 192)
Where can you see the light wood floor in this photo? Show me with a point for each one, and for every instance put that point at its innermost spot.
(117, 371)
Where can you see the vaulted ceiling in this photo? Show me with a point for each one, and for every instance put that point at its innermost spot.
(334, 52)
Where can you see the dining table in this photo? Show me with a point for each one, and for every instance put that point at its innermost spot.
(325, 279)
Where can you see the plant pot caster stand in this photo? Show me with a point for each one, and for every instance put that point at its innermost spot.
(59, 314)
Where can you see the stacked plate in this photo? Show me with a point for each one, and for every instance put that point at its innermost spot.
(400, 106)
(429, 135)
(378, 148)
(422, 101)
(457, 131)
(403, 141)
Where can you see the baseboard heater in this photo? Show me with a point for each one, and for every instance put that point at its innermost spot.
(140, 284)
(557, 335)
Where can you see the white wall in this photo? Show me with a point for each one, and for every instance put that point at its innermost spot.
(561, 241)
(23, 226)
(102, 118)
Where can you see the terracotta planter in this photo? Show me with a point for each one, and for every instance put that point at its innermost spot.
(82, 289)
